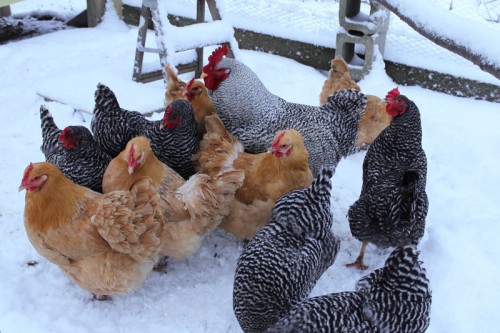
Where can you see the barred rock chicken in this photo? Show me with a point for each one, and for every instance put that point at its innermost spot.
(268, 176)
(197, 94)
(175, 87)
(282, 263)
(191, 209)
(394, 298)
(106, 244)
(253, 114)
(393, 204)
(74, 151)
(173, 139)
(375, 119)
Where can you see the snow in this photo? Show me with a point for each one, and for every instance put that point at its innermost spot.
(460, 137)
(316, 22)
(473, 35)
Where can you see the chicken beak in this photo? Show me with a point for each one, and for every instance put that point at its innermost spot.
(21, 187)
(130, 169)
(203, 75)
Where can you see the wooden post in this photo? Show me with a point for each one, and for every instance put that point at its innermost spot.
(200, 17)
(95, 11)
(141, 42)
(5, 11)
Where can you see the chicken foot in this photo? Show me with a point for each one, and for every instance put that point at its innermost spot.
(359, 261)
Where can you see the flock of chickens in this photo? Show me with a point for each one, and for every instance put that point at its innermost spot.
(109, 206)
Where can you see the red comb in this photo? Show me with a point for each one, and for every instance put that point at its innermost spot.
(131, 155)
(215, 57)
(169, 110)
(190, 83)
(277, 140)
(63, 134)
(27, 171)
(218, 54)
(393, 93)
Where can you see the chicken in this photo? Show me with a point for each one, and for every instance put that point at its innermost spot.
(282, 263)
(173, 139)
(394, 298)
(253, 114)
(338, 79)
(393, 204)
(375, 119)
(106, 244)
(197, 94)
(74, 151)
(175, 87)
(191, 209)
(268, 176)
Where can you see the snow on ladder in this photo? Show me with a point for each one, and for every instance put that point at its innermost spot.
(175, 44)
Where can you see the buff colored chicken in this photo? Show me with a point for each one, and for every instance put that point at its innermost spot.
(106, 244)
(175, 87)
(197, 94)
(375, 119)
(268, 176)
(191, 209)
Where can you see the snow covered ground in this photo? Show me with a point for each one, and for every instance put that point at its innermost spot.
(460, 137)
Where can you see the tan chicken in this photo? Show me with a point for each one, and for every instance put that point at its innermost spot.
(175, 87)
(191, 209)
(375, 119)
(107, 244)
(268, 176)
(197, 94)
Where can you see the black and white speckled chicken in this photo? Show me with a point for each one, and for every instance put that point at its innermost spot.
(253, 114)
(393, 204)
(394, 298)
(282, 263)
(74, 151)
(173, 139)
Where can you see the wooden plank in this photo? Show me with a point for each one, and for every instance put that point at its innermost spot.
(141, 40)
(5, 11)
(200, 17)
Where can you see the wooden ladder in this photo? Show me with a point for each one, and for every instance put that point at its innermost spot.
(173, 41)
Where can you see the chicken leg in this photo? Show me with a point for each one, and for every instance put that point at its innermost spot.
(359, 261)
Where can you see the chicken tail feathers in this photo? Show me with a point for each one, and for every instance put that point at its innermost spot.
(348, 100)
(397, 297)
(50, 132)
(322, 184)
(218, 149)
(105, 98)
(171, 75)
(409, 181)
(207, 199)
(131, 222)
(214, 125)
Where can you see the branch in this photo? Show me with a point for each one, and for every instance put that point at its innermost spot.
(447, 43)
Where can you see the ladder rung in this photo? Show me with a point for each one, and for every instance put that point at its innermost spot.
(147, 49)
(215, 32)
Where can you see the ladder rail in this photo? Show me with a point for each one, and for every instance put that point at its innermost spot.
(150, 9)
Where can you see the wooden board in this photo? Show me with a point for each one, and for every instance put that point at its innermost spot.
(77, 90)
